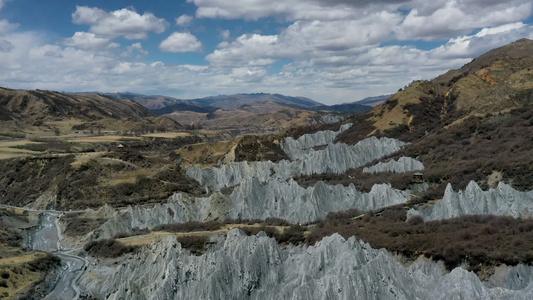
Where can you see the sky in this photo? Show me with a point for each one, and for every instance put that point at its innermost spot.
(332, 51)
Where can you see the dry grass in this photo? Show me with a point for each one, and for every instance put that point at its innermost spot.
(20, 259)
(147, 239)
(207, 154)
(127, 176)
(101, 139)
(167, 135)
(84, 158)
(7, 151)
(20, 274)
(64, 126)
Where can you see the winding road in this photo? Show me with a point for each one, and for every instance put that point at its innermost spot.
(48, 238)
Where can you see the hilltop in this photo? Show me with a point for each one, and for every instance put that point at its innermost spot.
(37, 110)
(474, 123)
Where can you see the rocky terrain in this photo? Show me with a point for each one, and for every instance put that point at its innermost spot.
(328, 211)
(253, 267)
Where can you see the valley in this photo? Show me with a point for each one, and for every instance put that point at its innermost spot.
(429, 195)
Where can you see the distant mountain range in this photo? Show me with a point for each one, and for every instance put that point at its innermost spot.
(259, 109)
(372, 101)
(162, 105)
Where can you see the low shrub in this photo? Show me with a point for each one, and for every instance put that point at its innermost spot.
(108, 248)
(190, 226)
(196, 244)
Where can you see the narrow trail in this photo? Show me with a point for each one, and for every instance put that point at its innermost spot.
(48, 238)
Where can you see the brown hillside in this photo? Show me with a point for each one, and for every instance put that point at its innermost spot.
(497, 81)
(468, 124)
(43, 110)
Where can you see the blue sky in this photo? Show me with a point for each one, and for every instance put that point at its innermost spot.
(332, 51)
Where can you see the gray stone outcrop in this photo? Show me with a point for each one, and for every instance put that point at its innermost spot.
(402, 165)
(256, 267)
(502, 200)
(252, 199)
(296, 148)
(335, 158)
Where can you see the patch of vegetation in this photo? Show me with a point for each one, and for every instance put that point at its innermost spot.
(391, 103)
(477, 147)
(475, 240)
(259, 148)
(361, 128)
(196, 244)
(77, 226)
(297, 132)
(362, 181)
(85, 187)
(135, 231)
(11, 135)
(44, 263)
(294, 234)
(23, 180)
(190, 226)
(108, 248)
(53, 146)
(21, 280)
(10, 237)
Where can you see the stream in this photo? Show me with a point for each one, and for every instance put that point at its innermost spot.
(47, 238)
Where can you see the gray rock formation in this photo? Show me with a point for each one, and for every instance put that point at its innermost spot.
(290, 201)
(256, 267)
(301, 146)
(402, 165)
(328, 119)
(336, 158)
(252, 200)
(502, 200)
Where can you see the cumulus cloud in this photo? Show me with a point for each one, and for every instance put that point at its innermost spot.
(332, 50)
(224, 34)
(290, 10)
(306, 39)
(422, 19)
(87, 41)
(462, 16)
(181, 42)
(125, 22)
(184, 20)
(136, 50)
(6, 26)
(340, 78)
(470, 46)
(6, 46)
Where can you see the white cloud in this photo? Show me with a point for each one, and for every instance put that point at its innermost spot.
(423, 20)
(181, 42)
(290, 10)
(6, 46)
(449, 18)
(486, 39)
(333, 50)
(87, 41)
(306, 39)
(136, 50)
(6, 26)
(2, 3)
(125, 22)
(224, 34)
(184, 20)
